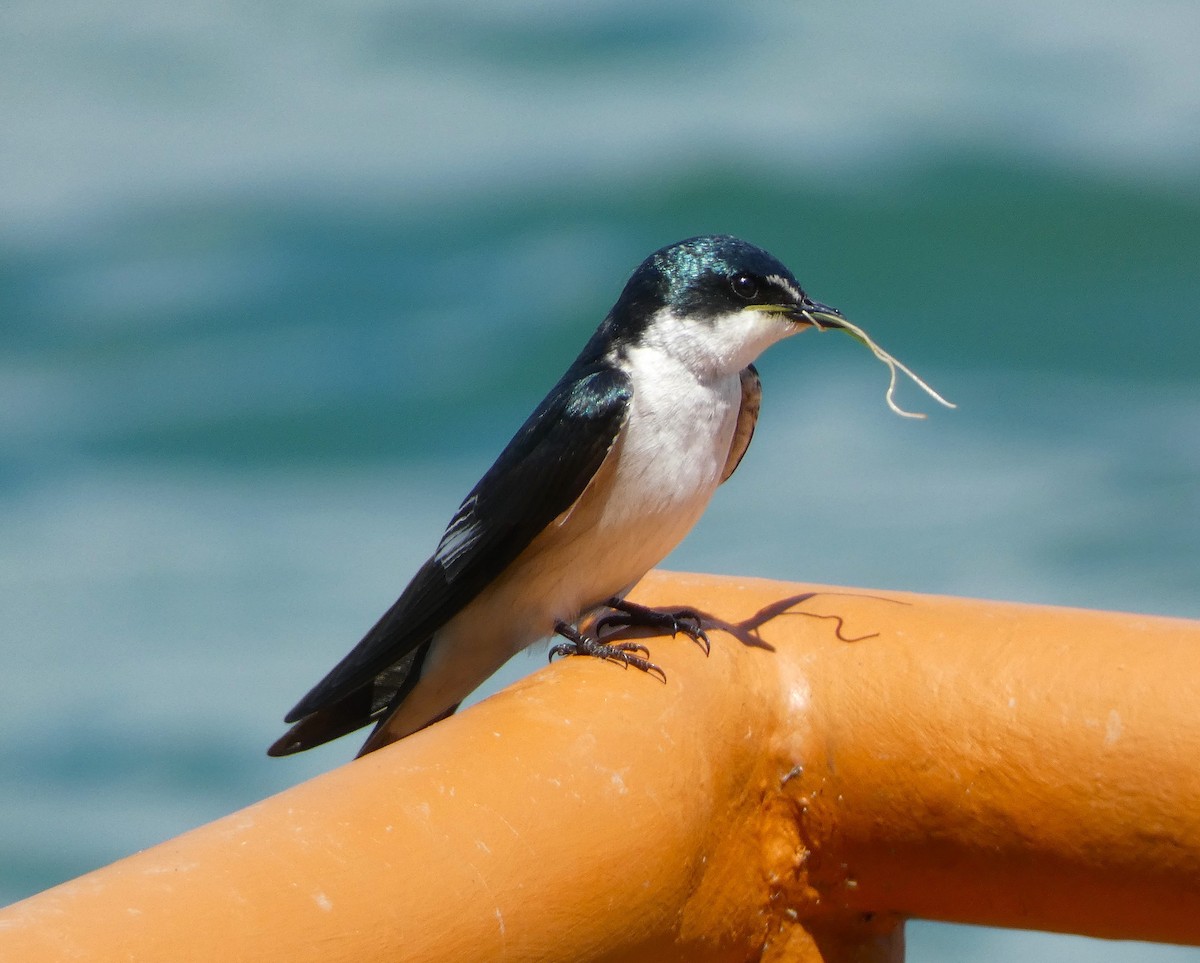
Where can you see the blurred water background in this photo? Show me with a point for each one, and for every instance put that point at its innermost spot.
(277, 281)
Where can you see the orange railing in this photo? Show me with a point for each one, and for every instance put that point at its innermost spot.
(844, 759)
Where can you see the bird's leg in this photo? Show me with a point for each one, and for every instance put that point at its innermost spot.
(630, 614)
(579, 644)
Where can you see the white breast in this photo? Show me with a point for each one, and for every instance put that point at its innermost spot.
(648, 494)
(652, 489)
(673, 449)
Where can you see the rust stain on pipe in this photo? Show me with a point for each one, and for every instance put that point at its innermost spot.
(842, 760)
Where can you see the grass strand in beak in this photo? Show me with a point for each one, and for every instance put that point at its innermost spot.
(894, 365)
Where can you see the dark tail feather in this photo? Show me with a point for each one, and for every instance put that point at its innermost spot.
(330, 722)
(372, 702)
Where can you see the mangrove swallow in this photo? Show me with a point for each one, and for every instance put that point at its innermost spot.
(603, 480)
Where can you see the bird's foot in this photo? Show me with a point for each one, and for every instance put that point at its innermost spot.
(630, 615)
(579, 644)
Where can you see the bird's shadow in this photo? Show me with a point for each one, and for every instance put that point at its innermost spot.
(747, 631)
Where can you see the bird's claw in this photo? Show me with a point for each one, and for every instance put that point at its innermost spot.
(576, 643)
(627, 615)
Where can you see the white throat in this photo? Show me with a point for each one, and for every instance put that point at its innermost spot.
(716, 347)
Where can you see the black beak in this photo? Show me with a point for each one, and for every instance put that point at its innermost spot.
(817, 314)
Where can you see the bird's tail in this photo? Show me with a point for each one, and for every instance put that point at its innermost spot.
(374, 701)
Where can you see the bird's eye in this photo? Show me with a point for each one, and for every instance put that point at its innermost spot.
(744, 286)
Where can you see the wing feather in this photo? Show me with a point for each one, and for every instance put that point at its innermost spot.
(537, 477)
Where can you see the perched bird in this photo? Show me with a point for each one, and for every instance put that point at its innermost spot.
(607, 475)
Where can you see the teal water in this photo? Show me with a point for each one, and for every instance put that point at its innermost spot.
(275, 287)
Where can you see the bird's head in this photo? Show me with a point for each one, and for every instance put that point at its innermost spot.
(716, 302)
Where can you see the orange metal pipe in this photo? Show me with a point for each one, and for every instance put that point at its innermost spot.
(842, 760)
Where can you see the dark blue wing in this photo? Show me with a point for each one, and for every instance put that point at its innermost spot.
(537, 477)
